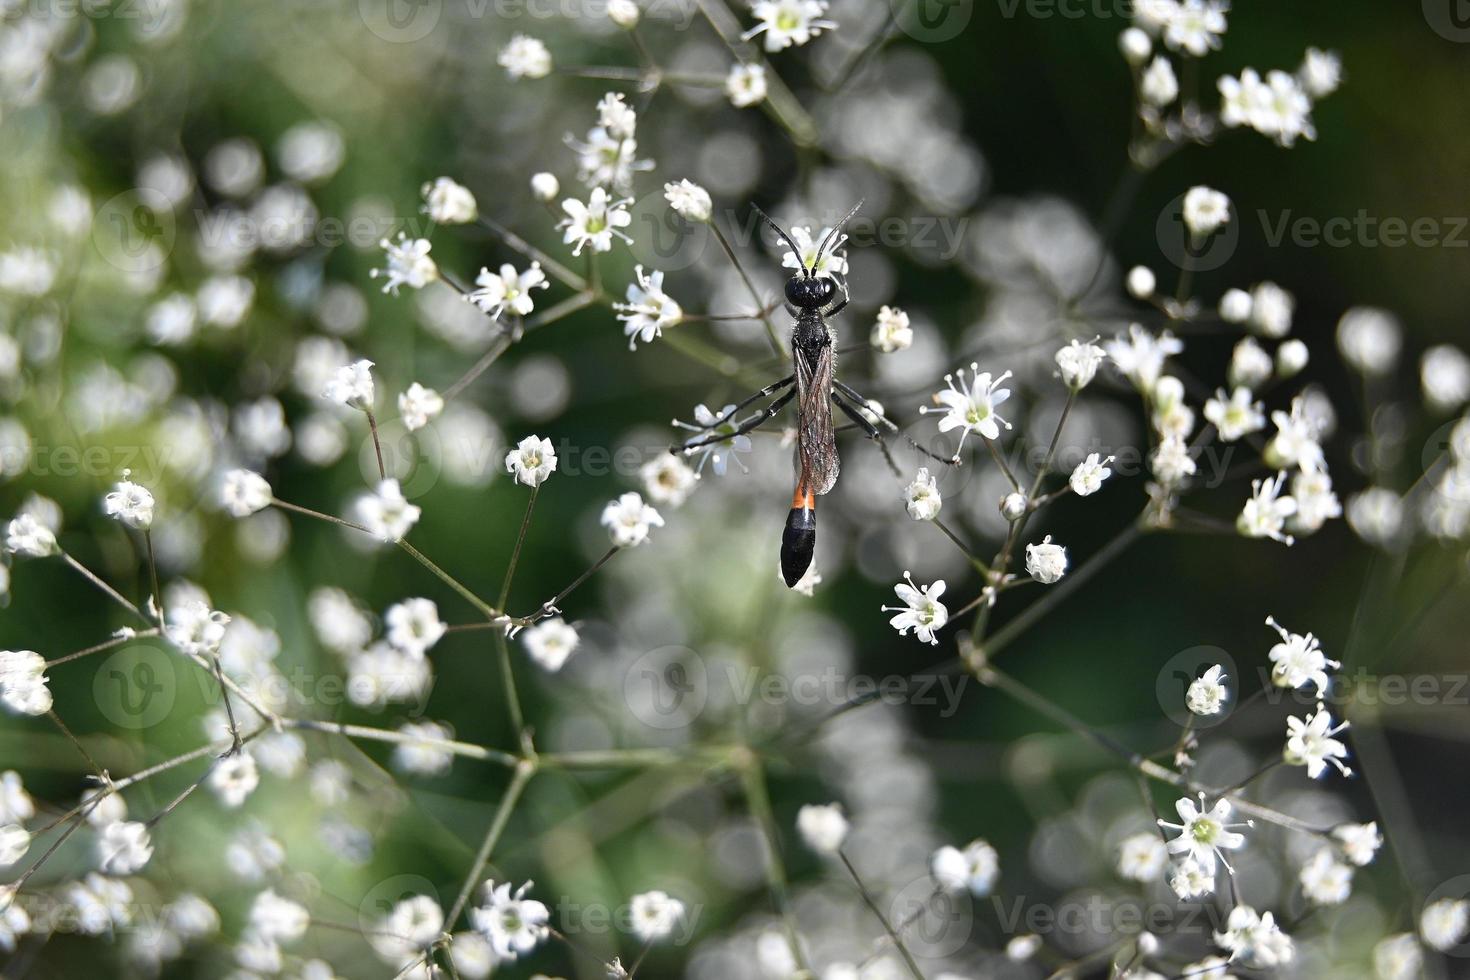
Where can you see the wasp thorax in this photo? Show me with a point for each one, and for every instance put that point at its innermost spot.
(810, 292)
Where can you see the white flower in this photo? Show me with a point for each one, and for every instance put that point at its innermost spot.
(1250, 365)
(414, 626)
(720, 452)
(16, 805)
(101, 905)
(1444, 374)
(411, 927)
(1310, 743)
(832, 263)
(1369, 339)
(1377, 516)
(1298, 660)
(921, 612)
(1019, 949)
(1195, 26)
(1360, 841)
(1254, 939)
(423, 751)
(1235, 415)
(623, 13)
(244, 493)
(667, 479)
(1140, 355)
(1205, 210)
(1171, 415)
(532, 460)
(891, 331)
(1171, 462)
(1135, 45)
(745, 86)
(1325, 880)
(596, 222)
(1265, 513)
(15, 840)
(352, 385)
(1207, 693)
(124, 848)
(525, 57)
(418, 406)
(545, 186)
(973, 870)
(508, 290)
(1046, 562)
(822, 827)
(449, 203)
(1398, 957)
(1291, 357)
(1235, 306)
(922, 497)
(1158, 86)
(654, 915)
(513, 923)
(171, 320)
(648, 309)
(1320, 73)
(788, 22)
(1204, 834)
(26, 271)
(1444, 923)
(233, 778)
(277, 919)
(1278, 107)
(23, 689)
(1272, 309)
(27, 536)
(1142, 857)
(130, 503)
(1013, 506)
(408, 263)
(971, 407)
(628, 520)
(550, 643)
(1141, 282)
(194, 628)
(689, 200)
(1079, 362)
(1296, 442)
(386, 513)
(1087, 479)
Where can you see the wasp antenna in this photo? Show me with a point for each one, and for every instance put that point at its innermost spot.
(834, 236)
(796, 251)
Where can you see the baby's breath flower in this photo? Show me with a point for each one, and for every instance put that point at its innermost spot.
(1369, 339)
(667, 479)
(1250, 365)
(921, 612)
(822, 827)
(833, 262)
(508, 290)
(1158, 86)
(545, 186)
(922, 497)
(532, 461)
(1310, 743)
(1359, 841)
(1143, 857)
(648, 309)
(352, 385)
(1377, 516)
(1204, 834)
(719, 453)
(1141, 282)
(1272, 309)
(623, 13)
(386, 513)
(1296, 441)
(1444, 375)
(418, 406)
(1195, 26)
(1046, 562)
(414, 626)
(971, 406)
(654, 915)
(745, 86)
(15, 840)
(1207, 693)
(596, 222)
(788, 22)
(525, 57)
(25, 535)
(891, 331)
(1087, 479)
(23, 689)
(408, 265)
(124, 848)
(422, 752)
(130, 503)
(1135, 45)
(1206, 210)
(1078, 363)
(1140, 355)
(1235, 415)
(1320, 73)
(1235, 306)
(1013, 506)
(449, 203)
(1399, 957)
(234, 778)
(550, 642)
(689, 200)
(1325, 880)
(1444, 923)
(195, 628)
(512, 923)
(628, 520)
(278, 919)
(1265, 513)
(1298, 660)
(972, 870)
(1171, 462)
(1254, 939)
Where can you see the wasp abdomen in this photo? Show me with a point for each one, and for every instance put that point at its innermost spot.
(799, 540)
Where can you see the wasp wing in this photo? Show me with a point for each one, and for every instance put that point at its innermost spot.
(816, 447)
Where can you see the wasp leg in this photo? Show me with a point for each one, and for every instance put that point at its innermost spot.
(861, 422)
(749, 425)
(848, 391)
(769, 389)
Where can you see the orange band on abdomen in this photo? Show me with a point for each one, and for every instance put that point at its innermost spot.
(803, 498)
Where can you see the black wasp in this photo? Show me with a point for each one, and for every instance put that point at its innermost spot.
(811, 299)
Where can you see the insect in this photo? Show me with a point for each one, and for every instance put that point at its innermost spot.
(811, 299)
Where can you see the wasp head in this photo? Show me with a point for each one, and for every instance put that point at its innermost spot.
(810, 292)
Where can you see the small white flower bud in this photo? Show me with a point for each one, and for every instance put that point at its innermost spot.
(1135, 45)
(1141, 282)
(1291, 357)
(1013, 506)
(1235, 306)
(545, 186)
(623, 13)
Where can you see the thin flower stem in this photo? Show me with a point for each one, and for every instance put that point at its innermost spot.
(502, 648)
(783, 106)
(547, 607)
(754, 783)
(377, 446)
(228, 684)
(111, 644)
(465, 749)
(500, 346)
(1051, 451)
(153, 573)
(219, 676)
(97, 769)
(750, 286)
(1001, 462)
(524, 771)
(515, 554)
(112, 593)
(551, 265)
(908, 958)
(638, 758)
(980, 566)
